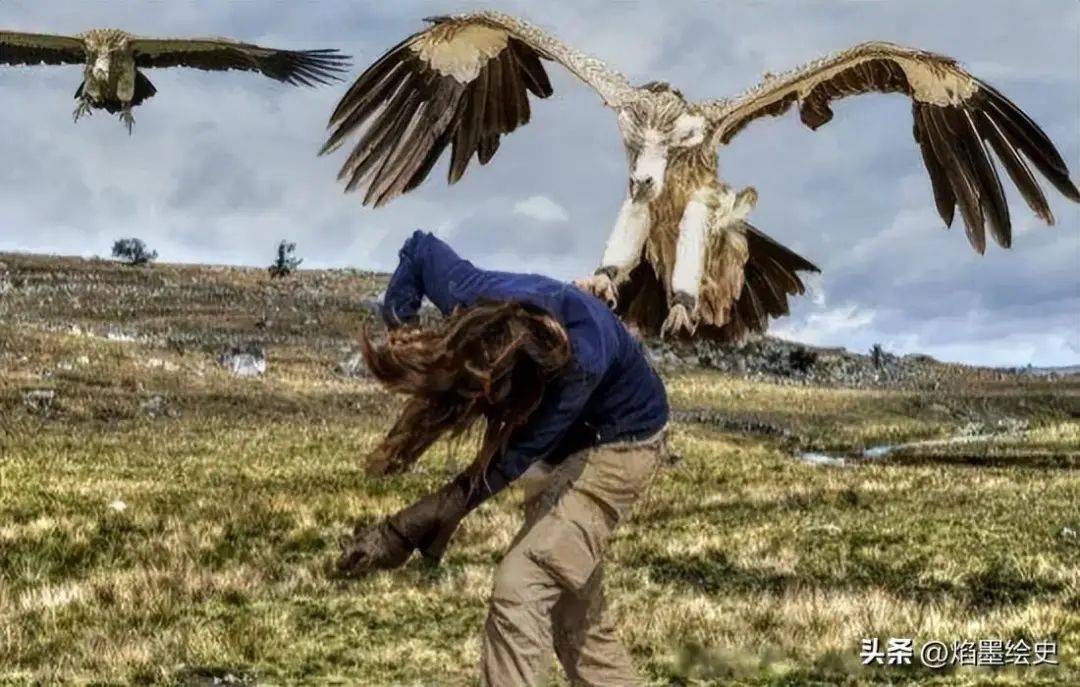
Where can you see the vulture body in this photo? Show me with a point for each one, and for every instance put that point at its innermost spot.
(113, 61)
(682, 259)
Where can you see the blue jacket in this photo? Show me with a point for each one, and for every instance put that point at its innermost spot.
(610, 392)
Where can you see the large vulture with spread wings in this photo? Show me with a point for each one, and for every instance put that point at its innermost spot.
(112, 62)
(682, 258)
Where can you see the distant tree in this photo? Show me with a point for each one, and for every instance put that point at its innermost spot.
(285, 262)
(134, 251)
(877, 355)
(802, 359)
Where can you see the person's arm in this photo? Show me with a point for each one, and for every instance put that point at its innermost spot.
(428, 267)
(406, 289)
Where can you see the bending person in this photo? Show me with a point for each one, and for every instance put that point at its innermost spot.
(572, 408)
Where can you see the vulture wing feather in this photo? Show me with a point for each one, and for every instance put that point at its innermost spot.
(958, 121)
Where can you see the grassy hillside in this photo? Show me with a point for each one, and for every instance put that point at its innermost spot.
(163, 520)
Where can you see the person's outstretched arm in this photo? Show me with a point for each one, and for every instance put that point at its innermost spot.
(406, 289)
(427, 266)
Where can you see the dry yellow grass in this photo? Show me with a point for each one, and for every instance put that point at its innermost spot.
(190, 541)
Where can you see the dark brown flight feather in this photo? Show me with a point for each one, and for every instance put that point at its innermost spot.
(955, 140)
(295, 67)
(402, 95)
(18, 48)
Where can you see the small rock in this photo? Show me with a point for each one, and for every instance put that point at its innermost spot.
(158, 363)
(827, 528)
(155, 406)
(821, 459)
(971, 429)
(248, 361)
(1012, 425)
(116, 335)
(371, 305)
(39, 400)
(83, 360)
(354, 367)
(118, 506)
(1068, 533)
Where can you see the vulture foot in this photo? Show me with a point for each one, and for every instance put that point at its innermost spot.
(83, 108)
(127, 119)
(679, 321)
(601, 286)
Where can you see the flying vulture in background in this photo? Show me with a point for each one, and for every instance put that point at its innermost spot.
(112, 62)
(682, 259)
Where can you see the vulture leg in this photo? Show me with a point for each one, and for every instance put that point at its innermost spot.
(126, 118)
(622, 253)
(689, 265)
(85, 103)
(711, 252)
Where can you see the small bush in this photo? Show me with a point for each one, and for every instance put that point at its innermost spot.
(133, 251)
(802, 359)
(285, 262)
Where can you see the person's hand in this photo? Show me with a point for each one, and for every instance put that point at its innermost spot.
(601, 286)
(371, 548)
(425, 526)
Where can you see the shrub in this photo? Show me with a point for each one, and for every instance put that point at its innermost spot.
(133, 251)
(877, 355)
(285, 262)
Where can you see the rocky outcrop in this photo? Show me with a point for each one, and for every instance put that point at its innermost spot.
(766, 357)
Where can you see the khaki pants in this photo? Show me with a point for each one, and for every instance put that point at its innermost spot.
(548, 588)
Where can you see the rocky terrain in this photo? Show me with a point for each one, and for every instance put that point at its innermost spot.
(326, 308)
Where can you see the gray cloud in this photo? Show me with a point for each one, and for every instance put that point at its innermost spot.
(221, 166)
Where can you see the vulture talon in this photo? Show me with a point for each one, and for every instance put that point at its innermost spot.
(83, 108)
(127, 119)
(601, 286)
(679, 320)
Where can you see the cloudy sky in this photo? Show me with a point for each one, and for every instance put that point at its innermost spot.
(222, 166)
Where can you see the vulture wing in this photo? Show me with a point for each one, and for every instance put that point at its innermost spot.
(40, 48)
(959, 120)
(462, 83)
(296, 67)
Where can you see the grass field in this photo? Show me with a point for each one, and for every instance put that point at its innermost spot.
(164, 521)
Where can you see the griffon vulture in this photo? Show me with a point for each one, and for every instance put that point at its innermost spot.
(682, 258)
(113, 61)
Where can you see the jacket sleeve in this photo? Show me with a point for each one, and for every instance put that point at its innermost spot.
(558, 412)
(406, 289)
(428, 267)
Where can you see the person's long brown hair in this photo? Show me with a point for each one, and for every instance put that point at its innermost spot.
(492, 361)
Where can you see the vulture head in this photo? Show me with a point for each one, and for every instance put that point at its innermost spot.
(652, 124)
(103, 46)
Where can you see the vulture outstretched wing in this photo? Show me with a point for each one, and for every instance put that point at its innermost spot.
(462, 83)
(40, 48)
(296, 67)
(958, 121)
